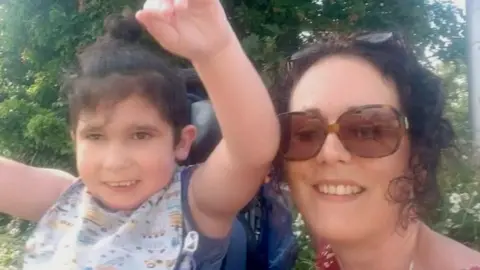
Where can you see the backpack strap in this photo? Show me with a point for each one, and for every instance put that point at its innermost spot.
(191, 238)
(185, 175)
(277, 246)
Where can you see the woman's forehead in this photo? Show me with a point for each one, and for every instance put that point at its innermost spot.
(337, 83)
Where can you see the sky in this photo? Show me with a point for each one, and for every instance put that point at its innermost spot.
(459, 3)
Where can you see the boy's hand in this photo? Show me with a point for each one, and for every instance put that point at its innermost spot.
(194, 29)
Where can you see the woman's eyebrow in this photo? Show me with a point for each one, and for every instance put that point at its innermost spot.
(89, 128)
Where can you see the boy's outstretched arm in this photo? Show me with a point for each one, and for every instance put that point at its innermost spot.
(231, 176)
(27, 192)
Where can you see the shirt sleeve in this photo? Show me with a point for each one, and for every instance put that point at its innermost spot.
(211, 251)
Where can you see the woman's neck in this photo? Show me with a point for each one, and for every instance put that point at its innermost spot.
(387, 250)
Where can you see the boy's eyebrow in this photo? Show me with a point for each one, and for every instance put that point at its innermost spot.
(145, 127)
(90, 128)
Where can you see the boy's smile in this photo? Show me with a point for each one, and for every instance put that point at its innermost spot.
(123, 186)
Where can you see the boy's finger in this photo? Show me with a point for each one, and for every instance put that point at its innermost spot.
(156, 25)
(156, 10)
(149, 17)
(181, 5)
(158, 4)
(196, 3)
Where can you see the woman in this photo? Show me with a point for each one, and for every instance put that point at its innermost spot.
(364, 128)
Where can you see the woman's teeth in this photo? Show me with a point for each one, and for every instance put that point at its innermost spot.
(122, 183)
(339, 189)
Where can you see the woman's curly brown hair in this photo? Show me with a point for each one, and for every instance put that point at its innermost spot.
(421, 98)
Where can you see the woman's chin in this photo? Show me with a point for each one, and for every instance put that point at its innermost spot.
(336, 233)
(336, 226)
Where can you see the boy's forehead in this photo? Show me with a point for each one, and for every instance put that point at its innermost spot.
(133, 104)
(125, 113)
(102, 123)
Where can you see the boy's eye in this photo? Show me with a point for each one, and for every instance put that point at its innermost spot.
(141, 136)
(94, 137)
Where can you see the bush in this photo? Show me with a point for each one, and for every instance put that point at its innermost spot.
(12, 240)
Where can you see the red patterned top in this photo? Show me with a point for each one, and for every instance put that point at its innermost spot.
(326, 260)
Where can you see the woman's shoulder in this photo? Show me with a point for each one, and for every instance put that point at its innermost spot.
(452, 254)
(440, 252)
(466, 258)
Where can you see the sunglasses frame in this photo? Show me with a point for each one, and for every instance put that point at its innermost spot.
(335, 128)
(370, 38)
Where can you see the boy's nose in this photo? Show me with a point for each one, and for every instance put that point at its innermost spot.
(116, 158)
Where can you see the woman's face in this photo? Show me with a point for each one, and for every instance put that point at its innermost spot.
(332, 86)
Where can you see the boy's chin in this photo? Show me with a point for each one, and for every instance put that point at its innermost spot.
(118, 204)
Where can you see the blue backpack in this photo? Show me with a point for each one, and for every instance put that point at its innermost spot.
(262, 235)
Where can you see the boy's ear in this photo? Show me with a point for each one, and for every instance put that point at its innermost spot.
(187, 137)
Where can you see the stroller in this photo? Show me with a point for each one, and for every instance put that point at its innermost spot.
(262, 236)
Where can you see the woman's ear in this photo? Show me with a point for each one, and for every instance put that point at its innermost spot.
(186, 139)
(74, 139)
(72, 136)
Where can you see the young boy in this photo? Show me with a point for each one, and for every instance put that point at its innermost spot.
(133, 207)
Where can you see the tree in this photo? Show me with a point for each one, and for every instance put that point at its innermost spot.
(272, 30)
(39, 40)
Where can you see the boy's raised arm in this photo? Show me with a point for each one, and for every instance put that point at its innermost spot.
(235, 170)
(27, 192)
(199, 30)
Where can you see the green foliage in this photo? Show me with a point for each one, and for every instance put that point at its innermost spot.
(459, 214)
(306, 255)
(272, 30)
(40, 39)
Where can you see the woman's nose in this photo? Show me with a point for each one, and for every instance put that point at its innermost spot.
(333, 151)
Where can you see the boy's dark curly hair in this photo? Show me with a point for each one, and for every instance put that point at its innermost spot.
(421, 98)
(116, 66)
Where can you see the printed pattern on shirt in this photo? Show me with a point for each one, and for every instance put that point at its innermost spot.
(77, 233)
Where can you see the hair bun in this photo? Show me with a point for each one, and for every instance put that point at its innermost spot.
(123, 27)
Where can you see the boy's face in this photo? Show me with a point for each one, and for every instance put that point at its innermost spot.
(125, 153)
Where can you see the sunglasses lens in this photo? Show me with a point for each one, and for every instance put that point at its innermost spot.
(371, 132)
(302, 136)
